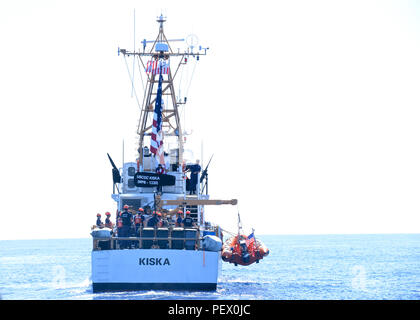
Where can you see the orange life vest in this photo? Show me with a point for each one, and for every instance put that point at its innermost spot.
(137, 219)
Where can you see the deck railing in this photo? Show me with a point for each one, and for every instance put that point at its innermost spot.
(155, 242)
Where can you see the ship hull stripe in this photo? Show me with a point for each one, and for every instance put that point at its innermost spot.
(112, 286)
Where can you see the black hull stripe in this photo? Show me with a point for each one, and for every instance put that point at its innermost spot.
(112, 286)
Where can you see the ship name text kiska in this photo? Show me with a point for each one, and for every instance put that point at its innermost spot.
(154, 262)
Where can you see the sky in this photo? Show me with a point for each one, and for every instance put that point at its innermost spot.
(311, 109)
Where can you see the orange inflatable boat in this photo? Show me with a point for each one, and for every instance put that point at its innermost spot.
(243, 250)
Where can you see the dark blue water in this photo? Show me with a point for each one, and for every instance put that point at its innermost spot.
(298, 267)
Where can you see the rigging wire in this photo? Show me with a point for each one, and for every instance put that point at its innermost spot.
(228, 232)
(186, 95)
(180, 81)
(184, 73)
(134, 50)
(179, 87)
(240, 229)
(135, 93)
(192, 75)
(141, 77)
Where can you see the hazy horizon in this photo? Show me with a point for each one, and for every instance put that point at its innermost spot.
(227, 236)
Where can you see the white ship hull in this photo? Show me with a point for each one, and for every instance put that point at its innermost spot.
(155, 269)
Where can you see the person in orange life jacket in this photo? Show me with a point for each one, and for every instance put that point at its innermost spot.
(99, 221)
(142, 214)
(179, 219)
(108, 223)
(188, 221)
(127, 219)
(154, 220)
(159, 216)
(138, 220)
(118, 221)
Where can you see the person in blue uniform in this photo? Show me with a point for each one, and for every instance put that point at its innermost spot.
(108, 222)
(127, 220)
(195, 170)
(154, 220)
(188, 222)
(179, 219)
(98, 220)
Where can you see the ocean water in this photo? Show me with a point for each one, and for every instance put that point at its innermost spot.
(335, 267)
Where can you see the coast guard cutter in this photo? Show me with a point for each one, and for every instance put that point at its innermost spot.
(167, 257)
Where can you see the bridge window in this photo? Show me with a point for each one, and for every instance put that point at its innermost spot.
(131, 171)
(130, 183)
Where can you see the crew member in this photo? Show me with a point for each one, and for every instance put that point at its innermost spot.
(195, 170)
(164, 222)
(142, 215)
(146, 152)
(108, 223)
(138, 220)
(179, 219)
(160, 170)
(188, 221)
(127, 219)
(118, 221)
(147, 210)
(154, 220)
(98, 221)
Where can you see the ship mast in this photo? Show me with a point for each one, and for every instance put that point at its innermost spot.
(161, 53)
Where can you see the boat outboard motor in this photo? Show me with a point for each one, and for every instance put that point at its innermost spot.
(244, 251)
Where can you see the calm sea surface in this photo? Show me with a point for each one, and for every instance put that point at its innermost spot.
(298, 267)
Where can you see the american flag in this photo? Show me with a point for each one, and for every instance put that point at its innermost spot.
(154, 67)
(250, 240)
(156, 143)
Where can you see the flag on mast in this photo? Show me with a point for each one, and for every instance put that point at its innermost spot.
(157, 67)
(156, 142)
